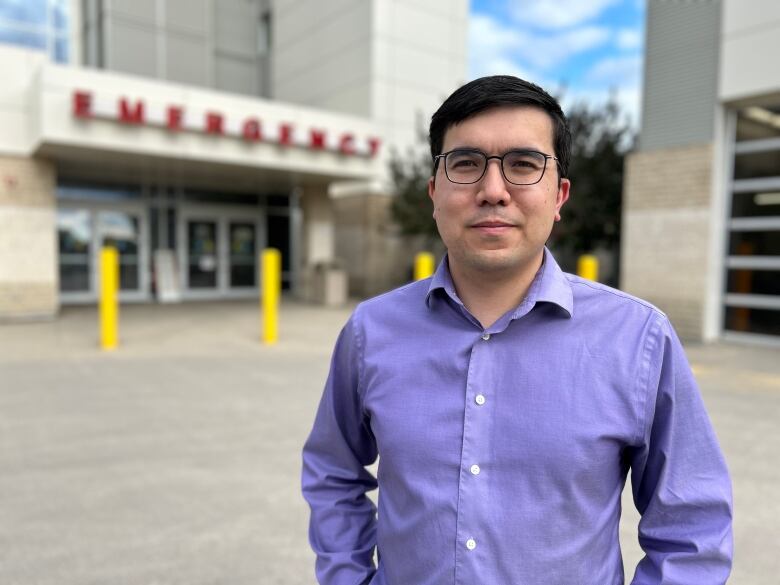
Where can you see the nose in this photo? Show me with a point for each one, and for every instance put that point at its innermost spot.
(492, 188)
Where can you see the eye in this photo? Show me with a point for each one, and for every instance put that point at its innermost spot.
(460, 163)
(465, 160)
(522, 160)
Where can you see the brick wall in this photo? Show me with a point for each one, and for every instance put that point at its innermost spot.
(664, 248)
(29, 284)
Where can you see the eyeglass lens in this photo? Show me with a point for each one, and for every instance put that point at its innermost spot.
(521, 167)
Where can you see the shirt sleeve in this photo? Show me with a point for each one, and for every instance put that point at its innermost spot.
(681, 485)
(342, 528)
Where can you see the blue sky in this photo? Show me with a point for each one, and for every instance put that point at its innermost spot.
(577, 49)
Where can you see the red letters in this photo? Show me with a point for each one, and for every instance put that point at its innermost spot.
(373, 146)
(174, 118)
(133, 111)
(128, 115)
(82, 104)
(285, 134)
(316, 139)
(251, 130)
(346, 144)
(214, 123)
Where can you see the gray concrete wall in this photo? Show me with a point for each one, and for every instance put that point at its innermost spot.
(681, 73)
(206, 43)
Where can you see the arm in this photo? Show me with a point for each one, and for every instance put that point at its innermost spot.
(342, 529)
(680, 482)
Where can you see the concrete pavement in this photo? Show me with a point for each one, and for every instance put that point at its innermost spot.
(175, 460)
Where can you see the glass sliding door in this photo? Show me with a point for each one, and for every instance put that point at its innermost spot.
(242, 237)
(202, 254)
(121, 230)
(74, 233)
(83, 229)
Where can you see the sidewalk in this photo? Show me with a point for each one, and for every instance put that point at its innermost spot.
(175, 460)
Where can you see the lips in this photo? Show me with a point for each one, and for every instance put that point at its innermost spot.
(491, 224)
(492, 228)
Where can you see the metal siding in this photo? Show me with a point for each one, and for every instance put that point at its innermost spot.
(681, 73)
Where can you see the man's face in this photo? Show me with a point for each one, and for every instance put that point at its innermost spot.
(493, 225)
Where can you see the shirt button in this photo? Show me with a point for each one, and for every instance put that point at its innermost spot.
(479, 399)
(471, 544)
(475, 470)
(486, 336)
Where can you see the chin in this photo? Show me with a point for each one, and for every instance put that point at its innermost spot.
(495, 260)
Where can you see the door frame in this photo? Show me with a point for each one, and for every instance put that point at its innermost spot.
(222, 215)
(139, 209)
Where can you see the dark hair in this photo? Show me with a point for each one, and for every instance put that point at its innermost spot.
(495, 91)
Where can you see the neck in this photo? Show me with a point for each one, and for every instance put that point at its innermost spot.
(488, 294)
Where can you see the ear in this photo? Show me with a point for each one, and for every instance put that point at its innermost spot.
(561, 197)
(432, 193)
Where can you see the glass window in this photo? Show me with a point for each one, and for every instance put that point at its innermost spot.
(754, 282)
(59, 15)
(744, 319)
(198, 196)
(243, 258)
(202, 253)
(97, 192)
(758, 122)
(756, 204)
(74, 231)
(754, 239)
(121, 230)
(264, 34)
(755, 243)
(29, 12)
(279, 237)
(61, 50)
(37, 24)
(757, 165)
(23, 38)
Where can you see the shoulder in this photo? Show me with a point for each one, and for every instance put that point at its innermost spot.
(617, 315)
(408, 295)
(587, 292)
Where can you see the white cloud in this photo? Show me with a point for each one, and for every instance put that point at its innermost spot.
(557, 14)
(628, 39)
(494, 45)
(628, 99)
(624, 71)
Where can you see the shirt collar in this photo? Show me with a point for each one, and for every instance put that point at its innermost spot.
(550, 285)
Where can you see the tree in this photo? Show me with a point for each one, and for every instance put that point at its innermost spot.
(590, 220)
(412, 209)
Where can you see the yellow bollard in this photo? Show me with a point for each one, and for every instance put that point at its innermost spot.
(588, 267)
(109, 298)
(271, 266)
(423, 265)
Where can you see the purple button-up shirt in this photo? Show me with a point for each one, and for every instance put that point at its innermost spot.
(504, 450)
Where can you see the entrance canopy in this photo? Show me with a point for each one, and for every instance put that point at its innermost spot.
(87, 117)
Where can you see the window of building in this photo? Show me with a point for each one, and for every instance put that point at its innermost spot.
(752, 295)
(37, 24)
(264, 34)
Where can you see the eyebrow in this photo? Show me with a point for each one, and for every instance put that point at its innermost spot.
(511, 148)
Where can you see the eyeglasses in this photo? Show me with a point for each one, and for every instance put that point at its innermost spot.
(519, 167)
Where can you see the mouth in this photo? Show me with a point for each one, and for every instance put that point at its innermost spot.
(492, 227)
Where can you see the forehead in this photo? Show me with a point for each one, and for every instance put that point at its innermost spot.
(503, 128)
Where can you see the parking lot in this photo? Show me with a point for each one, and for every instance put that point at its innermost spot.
(176, 458)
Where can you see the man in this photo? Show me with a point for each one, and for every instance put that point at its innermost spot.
(508, 400)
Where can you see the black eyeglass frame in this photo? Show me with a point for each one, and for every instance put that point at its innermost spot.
(487, 160)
